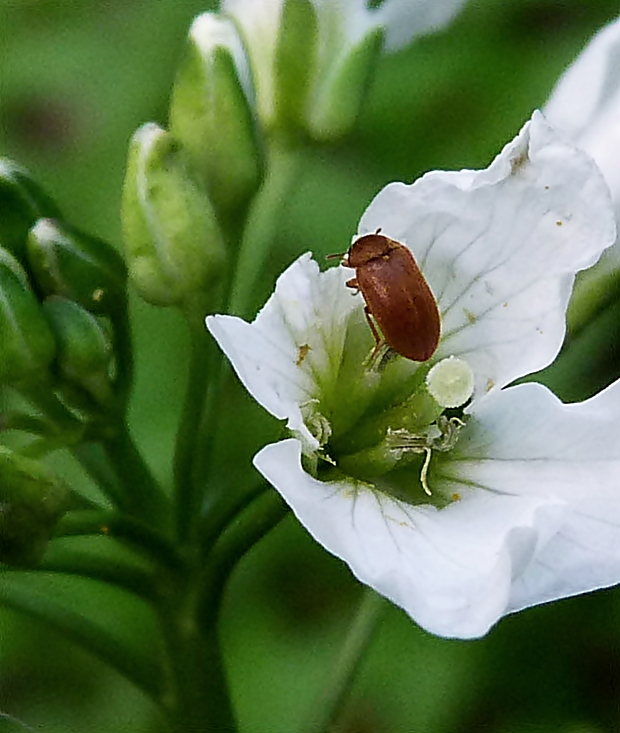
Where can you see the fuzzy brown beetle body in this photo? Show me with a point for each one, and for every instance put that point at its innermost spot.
(397, 296)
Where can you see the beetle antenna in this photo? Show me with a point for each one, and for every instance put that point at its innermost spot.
(335, 256)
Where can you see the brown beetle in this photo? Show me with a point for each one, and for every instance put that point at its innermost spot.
(397, 296)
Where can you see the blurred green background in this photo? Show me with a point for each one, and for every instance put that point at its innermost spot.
(76, 79)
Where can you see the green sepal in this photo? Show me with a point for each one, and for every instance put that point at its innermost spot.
(212, 114)
(174, 247)
(337, 98)
(27, 346)
(32, 501)
(66, 262)
(295, 62)
(22, 202)
(85, 347)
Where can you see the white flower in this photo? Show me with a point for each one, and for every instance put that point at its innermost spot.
(585, 104)
(342, 28)
(525, 491)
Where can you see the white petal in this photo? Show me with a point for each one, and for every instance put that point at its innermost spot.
(538, 516)
(585, 103)
(524, 441)
(259, 24)
(450, 570)
(295, 343)
(500, 247)
(210, 32)
(406, 19)
(341, 24)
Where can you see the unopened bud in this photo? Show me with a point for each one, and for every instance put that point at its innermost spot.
(85, 349)
(337, 97)
(212, 113)
(31, 503)
(67, 262)
(295, 61)
(26, 343)
(22, 202)
(173, 243)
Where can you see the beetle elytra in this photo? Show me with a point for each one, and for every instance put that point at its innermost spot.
(397, 296)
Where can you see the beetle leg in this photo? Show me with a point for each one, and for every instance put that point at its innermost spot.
(352, 283)
(379, 342)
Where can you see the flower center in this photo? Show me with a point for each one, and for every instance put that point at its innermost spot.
(387, 420)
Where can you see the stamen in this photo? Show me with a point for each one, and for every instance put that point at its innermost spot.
(424, 471)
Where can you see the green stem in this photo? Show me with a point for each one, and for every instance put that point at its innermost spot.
(119, 573)
(124, 346)
(93, 460)
(265, 216)
(62, 423)
(131, 531)
(326, 709)
(24, 423)
(259, 518)
(17, 593)
(198, 701)
(142, 496)
(188, 496)
(283, 166)
(223, 510)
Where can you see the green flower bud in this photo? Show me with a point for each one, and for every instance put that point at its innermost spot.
(67, 262)
(85, 349)
(335, 102)
(22, 202)
(173, 243)
(31, 503)
(26, 343)
(295, 61)
(212, 115)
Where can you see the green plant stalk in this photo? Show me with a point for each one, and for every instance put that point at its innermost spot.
(223, 510)
(124, 347)
(325, 710)
(153, 545)
(93, 460)
(187, 489)
(257, 520)
(25, 423)
(140, 670)
(62, 423)
(284, 161)
(126, 576)
(197, 699)
(142, 496)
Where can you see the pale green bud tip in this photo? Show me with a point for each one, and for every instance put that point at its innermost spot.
(210, 32)
(451, 382)
(212, 114)
(45, 231)
(173, 244)
(146, 136)
(32, 501)
(8, 168)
